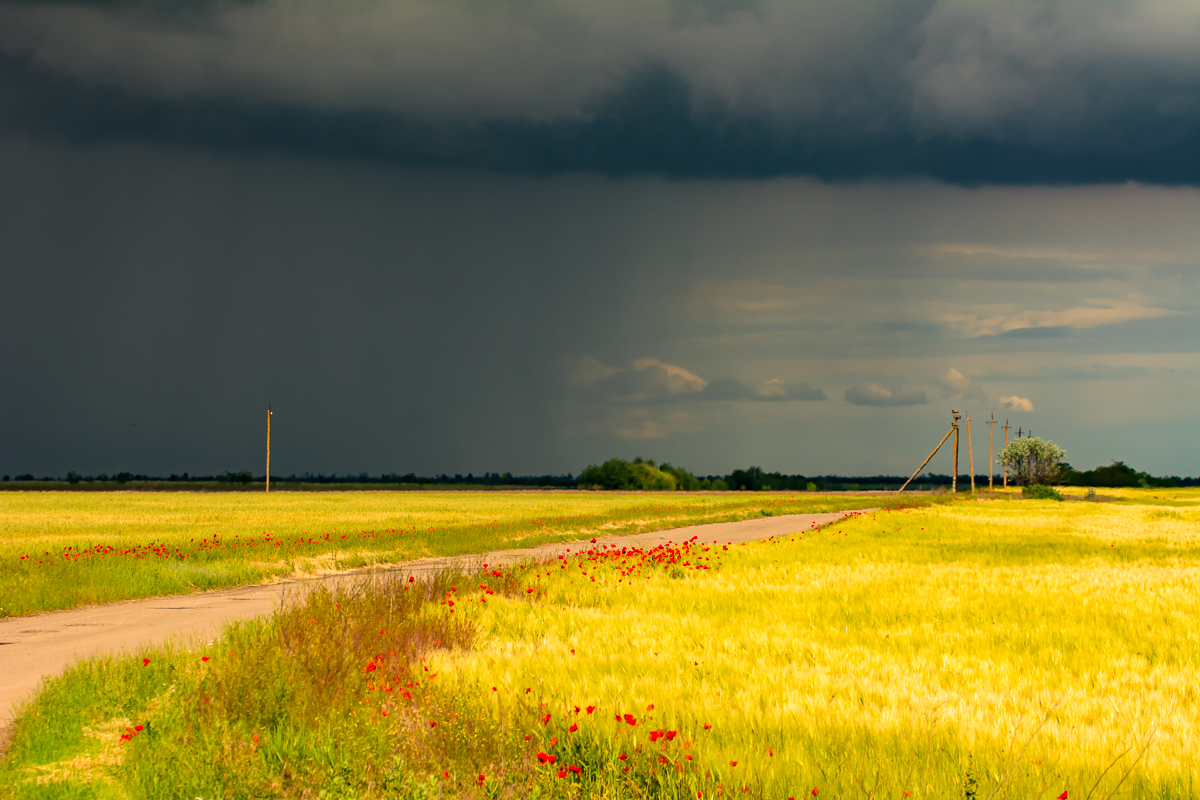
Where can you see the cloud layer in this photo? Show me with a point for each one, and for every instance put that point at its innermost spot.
(1005, 91)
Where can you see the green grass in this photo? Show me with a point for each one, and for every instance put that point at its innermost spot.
(972, 649)
(64, 549)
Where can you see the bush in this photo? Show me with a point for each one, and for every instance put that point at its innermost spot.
(1032, 461)
(1038, 491)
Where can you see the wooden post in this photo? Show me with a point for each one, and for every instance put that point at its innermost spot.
(954, 479)
(1006, 427)
(970, 454)
(268, 447)
(991, 453)
(926, 461)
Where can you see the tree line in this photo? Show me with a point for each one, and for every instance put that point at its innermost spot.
(639, 474)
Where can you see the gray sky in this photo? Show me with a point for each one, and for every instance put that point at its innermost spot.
(466, 237)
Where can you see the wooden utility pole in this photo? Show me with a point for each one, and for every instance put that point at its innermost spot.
(954, 478)
(1006, 427)
(268, 447)
(970, 454)
(926, 461)
(991, 452)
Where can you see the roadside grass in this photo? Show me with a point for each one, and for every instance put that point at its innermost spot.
(65, 549)
(974, 649)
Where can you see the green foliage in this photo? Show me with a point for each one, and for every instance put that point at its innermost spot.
(1116, 475)
(1032, 461)
(684, 480)
(243, 477)
(1039, 491)
(639, 476)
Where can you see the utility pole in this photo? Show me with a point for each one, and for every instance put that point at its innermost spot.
(954, 479)
(970, 454)
(1006, 427)
(268, 447)
(991, 452)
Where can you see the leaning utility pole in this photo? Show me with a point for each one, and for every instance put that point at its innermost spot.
(927, 460)
(954, 479)
(1006, 427)
(991, 452)
(268, 447)
(970, 454)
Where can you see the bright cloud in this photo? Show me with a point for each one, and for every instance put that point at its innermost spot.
(1015, 403)
(1100, 312)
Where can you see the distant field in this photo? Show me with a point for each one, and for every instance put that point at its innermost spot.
(973, 649)
(64, 549)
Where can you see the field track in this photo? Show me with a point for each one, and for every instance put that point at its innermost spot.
(36, 647)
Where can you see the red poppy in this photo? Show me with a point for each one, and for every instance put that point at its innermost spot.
(573, 728)
(562, 773)
(1063, 796)
(669, 735)
(814, 791)
(733, 763)
(553, 741)
(590, 709)
(480, 779)
(204, 658)
(630, 719)
(574, 769)
(370, 667)
(546, 719)
(432, 724)
(622, 756)
(145, 661)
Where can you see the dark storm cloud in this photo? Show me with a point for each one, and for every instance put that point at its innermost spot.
(967, 92)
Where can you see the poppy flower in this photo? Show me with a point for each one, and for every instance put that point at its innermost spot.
(573, 728)
(553, 741)
(622, 756)
(546, 719)
(480, 779)
(204, 658)
(145, 661)
(575, 769)
(370, 667)
(815, 791)
(1063, 796)
(562, 773)
(733, 763)
(590, 709)
(432, 724)
(630, 719)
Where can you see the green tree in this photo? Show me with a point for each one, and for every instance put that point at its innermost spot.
(1032, 461)
(684, 480)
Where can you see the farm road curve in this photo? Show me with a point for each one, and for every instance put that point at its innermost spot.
(40, 646)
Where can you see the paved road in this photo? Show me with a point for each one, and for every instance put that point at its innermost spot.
(40, 646)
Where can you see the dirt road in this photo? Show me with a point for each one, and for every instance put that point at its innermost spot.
(37, 647)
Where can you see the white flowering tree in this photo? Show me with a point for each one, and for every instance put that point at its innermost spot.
(1032, 461)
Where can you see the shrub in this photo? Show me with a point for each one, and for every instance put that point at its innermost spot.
(1039, 491)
